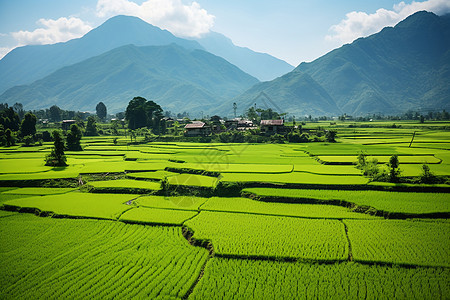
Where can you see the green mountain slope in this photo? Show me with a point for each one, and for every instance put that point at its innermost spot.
(176, 78)
(261, 65)
(398, 69)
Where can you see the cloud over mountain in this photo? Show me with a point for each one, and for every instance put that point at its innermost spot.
(360, 24)
(180, 19)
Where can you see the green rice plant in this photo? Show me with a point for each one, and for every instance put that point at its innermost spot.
(247, 235)
(394, 202)
(294, 178)
(102, 206)
(126, 183)
(192, 180)
(178, 202)
(153, 175)
(39, 191)
(419, 159)
(400, 242)
(246, 205)
(257, 279)
(52, 258)
(143, 215)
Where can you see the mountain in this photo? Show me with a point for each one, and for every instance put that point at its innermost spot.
(24, 65)
(406, 67)
(260, 65)
(176, 78)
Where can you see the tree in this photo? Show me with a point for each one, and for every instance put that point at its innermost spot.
(10, 119)
(56, 158)
(330, 136)
(427, 176)
(73, 138)
(55, 113)
(234, 108)
(10, 137)
(142, 113)
(91, 127)
(18, 108)
(28, 126)
(101, 111)
(394, 170)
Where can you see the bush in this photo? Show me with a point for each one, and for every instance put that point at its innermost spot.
(56, 158)
(28, 141)
(427, 176)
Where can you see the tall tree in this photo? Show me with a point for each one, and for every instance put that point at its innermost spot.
(101, 111)
(73, 138)
(18, 108)
(55, 113)
(56, 158)
(91, 127)
(142, 113)
(28, 126)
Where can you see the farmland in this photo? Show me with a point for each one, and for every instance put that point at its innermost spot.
(227, 220)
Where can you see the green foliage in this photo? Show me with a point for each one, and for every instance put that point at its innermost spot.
(55, 114)
(101, 111)
(330, 136)
(142, 113)
(73, 138)
(28, 140)
(56, 158)
(369, 167)
(28, 125)
(427, 176)
(91, 127)
(393, 168)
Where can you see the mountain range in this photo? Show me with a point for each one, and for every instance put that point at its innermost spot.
(406, 67)
(23, 65)
(177, 78)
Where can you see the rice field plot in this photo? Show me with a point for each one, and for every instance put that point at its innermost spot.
(394, 202)
(39, 191)
(175, 202)
(65, 259)
(125, 184)
(245, 205)
(239, 168)
(143, 215)
(419, 159)
(192, 180)
(23, 165)
(327, 169)
(152, 175)
(257, 279)
(247, 235)
(76, 204)
(294, 178)
(400, 242)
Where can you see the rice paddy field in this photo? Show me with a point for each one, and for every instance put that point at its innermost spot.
(227, 221)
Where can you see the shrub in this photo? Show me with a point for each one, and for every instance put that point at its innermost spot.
(427, 176)
(56, 158)
(28, 141)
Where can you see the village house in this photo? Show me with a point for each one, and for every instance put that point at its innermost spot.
(65, 125)
(197, 128)
(270, 127)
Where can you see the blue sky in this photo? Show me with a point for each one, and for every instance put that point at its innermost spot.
(293, 30)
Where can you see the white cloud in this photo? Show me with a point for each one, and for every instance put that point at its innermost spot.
(52, 31)
(4, 51)
(180, 19)
(361, 24)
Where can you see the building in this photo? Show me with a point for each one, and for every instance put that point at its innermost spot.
(269, 127)
(65, 125)
(197, 128)
(245, 125)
